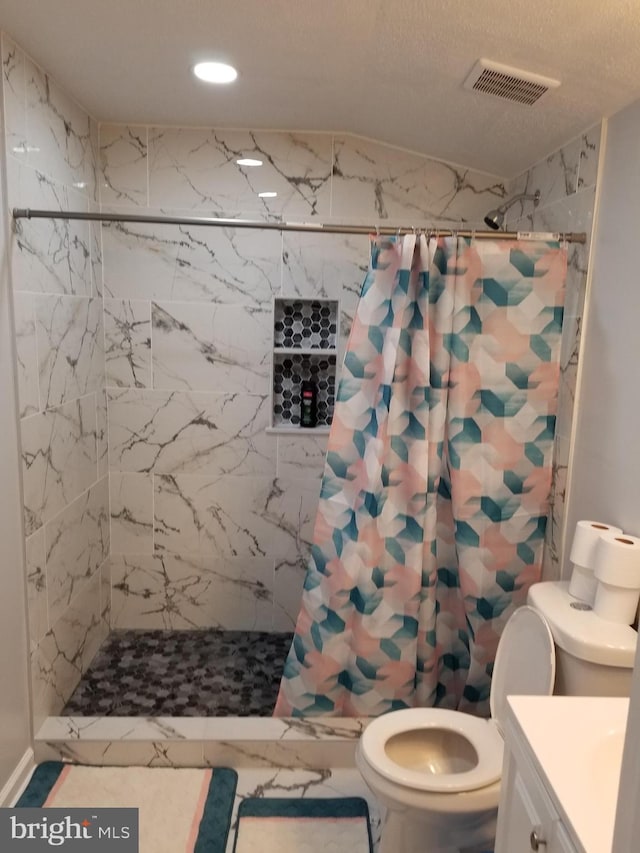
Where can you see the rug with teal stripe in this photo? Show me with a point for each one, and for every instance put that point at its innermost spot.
(180, 809)
(281, 825)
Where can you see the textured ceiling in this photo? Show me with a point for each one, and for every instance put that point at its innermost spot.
(387, 69)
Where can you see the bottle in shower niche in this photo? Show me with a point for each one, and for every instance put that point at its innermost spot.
(308, 404)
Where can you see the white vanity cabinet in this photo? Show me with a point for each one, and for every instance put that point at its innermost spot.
(561, 774)
(527, 817)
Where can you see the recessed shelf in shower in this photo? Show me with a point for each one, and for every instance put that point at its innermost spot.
(305, 347)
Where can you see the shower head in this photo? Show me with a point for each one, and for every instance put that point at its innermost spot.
(495, 218)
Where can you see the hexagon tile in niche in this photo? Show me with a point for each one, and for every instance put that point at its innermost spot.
(305, 345)
(304, 323)
(288, 374)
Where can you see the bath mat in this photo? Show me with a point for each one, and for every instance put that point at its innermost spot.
(180, 809)
(279, 825)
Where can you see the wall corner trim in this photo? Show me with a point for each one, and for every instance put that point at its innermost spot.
(18, 780)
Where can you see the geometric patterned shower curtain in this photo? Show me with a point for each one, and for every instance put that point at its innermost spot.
(435, 493)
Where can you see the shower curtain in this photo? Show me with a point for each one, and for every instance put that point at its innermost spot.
(435, 493)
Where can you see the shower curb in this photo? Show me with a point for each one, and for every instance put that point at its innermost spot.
(237, 742)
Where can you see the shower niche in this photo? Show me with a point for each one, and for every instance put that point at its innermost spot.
(305, 350)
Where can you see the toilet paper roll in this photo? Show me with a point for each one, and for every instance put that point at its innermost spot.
(585, 538)
(616, 560)
(616, 604)
(583, 584)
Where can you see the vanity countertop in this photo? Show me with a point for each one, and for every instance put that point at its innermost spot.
(576, 744)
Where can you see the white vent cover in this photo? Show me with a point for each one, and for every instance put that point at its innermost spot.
(523, 87)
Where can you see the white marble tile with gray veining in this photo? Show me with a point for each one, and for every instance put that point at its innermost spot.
(571, 213)
(77, 543)
(234, 516)
(288, 583)
(197, 169)
(556, 177)
(123, 164)
(58, 459)
(170, 591)
(552, 555)
(312, 749)
(44, 697)
(122, 728)
(66, 650)
(26, 353)
(191, 263)
(58, 132)
(70, 347)
(37, 587)
(577, 267)
(326, 266)
(204, 347)
(48, 255)
(279, 754)
(574, 309)
(292, 508)
(127, 340)
(373, 182)
(301, 456)
(297, 730)
(122, 753)
(323, 265)
(303, 783)
(131, 499)
(589, 154)
(15, 116)
(176, 431)
(95, 249)
(149, 593)
(102, 430)
(105, 595)
(85, 610)
(567, 387)
(93, 164)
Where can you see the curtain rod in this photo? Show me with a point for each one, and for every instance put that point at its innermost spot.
(28, 213)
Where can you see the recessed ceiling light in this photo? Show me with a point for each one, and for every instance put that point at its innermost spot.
(215, 72)
(267, 195)
(248, 161)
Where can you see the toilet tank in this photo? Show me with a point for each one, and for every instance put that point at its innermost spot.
(594, 657)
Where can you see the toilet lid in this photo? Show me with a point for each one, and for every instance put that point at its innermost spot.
(525, 661)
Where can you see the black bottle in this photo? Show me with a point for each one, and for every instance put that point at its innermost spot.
(308, 404)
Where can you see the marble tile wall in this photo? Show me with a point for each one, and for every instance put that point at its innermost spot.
(567, 183)
(144, 354)
(211, 516)
(52, 156)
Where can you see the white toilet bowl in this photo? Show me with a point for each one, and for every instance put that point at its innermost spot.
(438, 772)
(438, 778)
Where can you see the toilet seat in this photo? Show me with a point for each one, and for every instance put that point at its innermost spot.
(482, 735)
(524, 664)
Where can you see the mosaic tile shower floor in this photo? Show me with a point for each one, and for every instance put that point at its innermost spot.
(182, 674)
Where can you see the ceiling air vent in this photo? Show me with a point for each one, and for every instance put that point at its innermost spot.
(523, 87)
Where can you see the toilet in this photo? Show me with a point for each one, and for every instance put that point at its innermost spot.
(437, 772)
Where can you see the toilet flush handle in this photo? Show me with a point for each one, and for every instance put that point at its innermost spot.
(535, 841)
